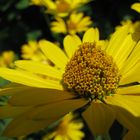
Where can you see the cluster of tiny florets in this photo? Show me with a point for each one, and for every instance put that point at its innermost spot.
(91, 72)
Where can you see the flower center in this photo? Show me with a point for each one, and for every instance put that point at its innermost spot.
(91, 73)
(62, 6)
(72, 27)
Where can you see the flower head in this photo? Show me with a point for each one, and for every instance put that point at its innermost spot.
(62, 7)
(75, 24)
(67, 129)
(102, 79)
(7, 58)
(31, 51)
(94, 75)
(136, 7)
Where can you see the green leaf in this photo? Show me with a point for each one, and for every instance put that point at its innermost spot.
(3, 82)
(22, 4)
(34, 35)
(3, 124)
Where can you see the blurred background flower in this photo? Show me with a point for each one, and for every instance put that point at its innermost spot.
(76, 23)
(31, 51)
(63, 8)
(7, 59)
(68, 128)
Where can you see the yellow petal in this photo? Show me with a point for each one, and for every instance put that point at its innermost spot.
(129, 103)
(49, 4)
(99, 118)
(54, 53)
(132, 60)
(125, 49)
(11, 89)
(59, 26)
(21, 127)
(131, 136)
(71, 44)
(128, 136)
(39, 68)
(9, 111)
(132, 76)
(76, 135)
(117, 39)
(91, 35)
(58, 137)
(103, 44)
(57, 109)
(136, 6)
(36, 96)
(28, 79)
(133, 90)
(76, 17)
(84, 23)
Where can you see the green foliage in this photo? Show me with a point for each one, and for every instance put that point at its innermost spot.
(3, 124)
(3, 82)
(33, 35)
(22, 4)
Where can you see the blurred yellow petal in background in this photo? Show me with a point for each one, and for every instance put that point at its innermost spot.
(136, 7)
(31, 51)
(36, 2)
(7, 59)
(76, 23)
(68, 128)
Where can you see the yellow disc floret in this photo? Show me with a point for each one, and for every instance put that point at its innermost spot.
(91, 72)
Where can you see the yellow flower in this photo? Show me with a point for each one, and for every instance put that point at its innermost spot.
(101, 80)
(7, 58)
(62, 7)
(75, 24)
(32, 51)
(59, 26)
(136, 7)
(67, 129)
